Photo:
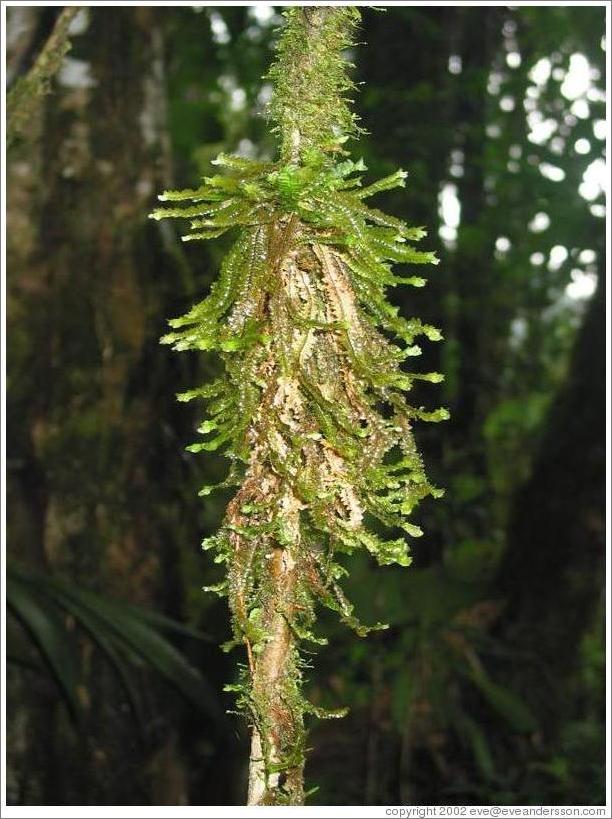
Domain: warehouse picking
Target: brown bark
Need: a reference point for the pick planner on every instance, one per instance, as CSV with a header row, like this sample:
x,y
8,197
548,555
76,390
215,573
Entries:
x,y
277,727
268,672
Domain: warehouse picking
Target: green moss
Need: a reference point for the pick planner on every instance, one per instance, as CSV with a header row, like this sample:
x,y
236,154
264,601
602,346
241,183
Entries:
x,y
311,408
311,82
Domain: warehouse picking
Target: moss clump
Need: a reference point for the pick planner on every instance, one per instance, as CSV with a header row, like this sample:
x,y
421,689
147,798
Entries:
x,y
311,409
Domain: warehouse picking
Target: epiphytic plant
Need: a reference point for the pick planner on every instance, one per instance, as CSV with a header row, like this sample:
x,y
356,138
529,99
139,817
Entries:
x,y
310,409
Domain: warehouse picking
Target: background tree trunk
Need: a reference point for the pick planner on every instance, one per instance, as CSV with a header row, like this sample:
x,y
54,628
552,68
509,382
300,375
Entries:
x,y
552,575
84,269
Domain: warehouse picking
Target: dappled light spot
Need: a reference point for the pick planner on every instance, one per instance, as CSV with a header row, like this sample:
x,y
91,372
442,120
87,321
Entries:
x,y
539,223
541,129
455,64
246,148
265,94
513,59
518,331
237,95
557,145
263,13
494,84
456,167
596,94
448,234
593,180
551,172
79,23
580,109
582,286
75,74
450,208
540,72
509,28
558,255
599,129
238,98
503,244
587,256
578,78
220,31
582,146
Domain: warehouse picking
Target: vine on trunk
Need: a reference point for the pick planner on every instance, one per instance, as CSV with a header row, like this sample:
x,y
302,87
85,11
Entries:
x,y
311,408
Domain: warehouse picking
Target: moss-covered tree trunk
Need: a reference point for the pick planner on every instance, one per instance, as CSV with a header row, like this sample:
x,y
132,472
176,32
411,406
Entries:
x,y
310,408
274,670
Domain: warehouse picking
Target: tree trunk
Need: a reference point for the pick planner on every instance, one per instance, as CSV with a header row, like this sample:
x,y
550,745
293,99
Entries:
x,y
275,670
84,264
552,575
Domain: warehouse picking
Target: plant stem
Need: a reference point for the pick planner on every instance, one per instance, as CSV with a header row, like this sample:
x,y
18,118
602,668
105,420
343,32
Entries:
x,y
277,715
279,734
282,726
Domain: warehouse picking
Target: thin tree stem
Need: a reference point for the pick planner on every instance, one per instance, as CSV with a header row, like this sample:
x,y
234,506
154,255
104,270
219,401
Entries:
x,y
271,670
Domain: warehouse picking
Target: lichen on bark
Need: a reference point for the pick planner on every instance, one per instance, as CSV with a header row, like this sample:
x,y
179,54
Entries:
x,y
311,408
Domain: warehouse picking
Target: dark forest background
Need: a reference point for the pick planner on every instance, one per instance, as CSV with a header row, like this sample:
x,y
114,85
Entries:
x,y
489,685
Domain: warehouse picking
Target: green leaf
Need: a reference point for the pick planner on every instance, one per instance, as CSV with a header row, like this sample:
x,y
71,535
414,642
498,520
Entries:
x,y
98,633
506,703
394,180
415,281
434,378
120,630
207,426
136,634
50,635
479,746
441,414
